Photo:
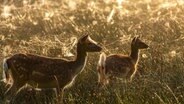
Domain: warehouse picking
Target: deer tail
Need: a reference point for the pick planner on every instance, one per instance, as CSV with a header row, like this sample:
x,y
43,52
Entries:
x,y
101,68
6,77
102,59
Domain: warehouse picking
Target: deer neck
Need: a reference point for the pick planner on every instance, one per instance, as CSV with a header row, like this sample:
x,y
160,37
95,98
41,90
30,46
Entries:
x,y
80,60
134,54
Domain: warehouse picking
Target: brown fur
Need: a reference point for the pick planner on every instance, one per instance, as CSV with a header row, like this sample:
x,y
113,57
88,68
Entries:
x,y
45,72
119,65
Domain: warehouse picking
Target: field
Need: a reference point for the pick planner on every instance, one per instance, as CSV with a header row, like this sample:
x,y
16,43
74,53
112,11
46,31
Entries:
x,y
50,28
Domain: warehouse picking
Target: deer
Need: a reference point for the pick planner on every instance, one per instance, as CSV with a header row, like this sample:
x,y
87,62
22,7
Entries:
x,y
119,65
45,72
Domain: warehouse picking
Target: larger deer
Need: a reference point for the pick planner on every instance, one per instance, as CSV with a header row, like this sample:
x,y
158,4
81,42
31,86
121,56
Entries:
x,y
45,72
119,65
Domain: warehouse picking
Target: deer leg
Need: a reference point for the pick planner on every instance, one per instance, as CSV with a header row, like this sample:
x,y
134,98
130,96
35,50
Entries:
x,y
10,90
11,93
102,78
14,90
130,75
60,93
128,78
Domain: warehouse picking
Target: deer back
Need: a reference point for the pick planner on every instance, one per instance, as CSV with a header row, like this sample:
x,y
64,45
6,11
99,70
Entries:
x,y
119,65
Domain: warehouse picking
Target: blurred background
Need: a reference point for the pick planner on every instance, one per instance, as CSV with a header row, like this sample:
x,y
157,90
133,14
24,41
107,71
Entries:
x,y
50,28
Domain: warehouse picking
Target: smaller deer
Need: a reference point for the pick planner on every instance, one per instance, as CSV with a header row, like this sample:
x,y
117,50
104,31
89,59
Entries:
x,y
45,72
119,65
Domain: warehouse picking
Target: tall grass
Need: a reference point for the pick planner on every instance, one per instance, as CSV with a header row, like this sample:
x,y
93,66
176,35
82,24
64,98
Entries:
x,y
50,27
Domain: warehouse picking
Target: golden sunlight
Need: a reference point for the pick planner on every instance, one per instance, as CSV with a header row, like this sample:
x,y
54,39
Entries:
x,y
173,53
48,15
110,15
43,2
167,5
119,3
72,4
6,12
135,53
180,2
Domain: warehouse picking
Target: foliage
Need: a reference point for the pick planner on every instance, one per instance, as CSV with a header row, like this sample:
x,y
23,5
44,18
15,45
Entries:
x,y
50,28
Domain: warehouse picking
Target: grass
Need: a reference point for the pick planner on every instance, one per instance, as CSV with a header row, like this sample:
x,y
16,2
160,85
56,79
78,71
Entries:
x,y
49,28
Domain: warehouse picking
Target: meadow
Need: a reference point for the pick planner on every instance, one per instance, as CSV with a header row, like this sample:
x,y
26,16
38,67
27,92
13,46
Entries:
x,y
50,28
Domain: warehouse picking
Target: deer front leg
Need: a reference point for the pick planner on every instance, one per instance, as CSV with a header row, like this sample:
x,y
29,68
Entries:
x,y
59,91
59,95
130,74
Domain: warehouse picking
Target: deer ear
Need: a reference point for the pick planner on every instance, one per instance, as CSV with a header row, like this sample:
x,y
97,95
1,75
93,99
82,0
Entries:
x,y
138,36
134,39
83,38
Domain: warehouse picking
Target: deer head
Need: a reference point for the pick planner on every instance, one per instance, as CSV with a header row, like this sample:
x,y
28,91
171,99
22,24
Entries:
x,y
88,45
138,44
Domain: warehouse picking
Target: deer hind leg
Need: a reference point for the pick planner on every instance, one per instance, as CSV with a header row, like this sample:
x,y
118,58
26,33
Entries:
x,y
14,89
11,93
102,78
